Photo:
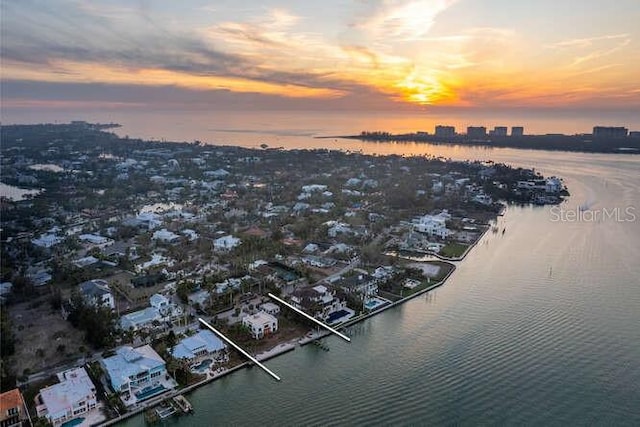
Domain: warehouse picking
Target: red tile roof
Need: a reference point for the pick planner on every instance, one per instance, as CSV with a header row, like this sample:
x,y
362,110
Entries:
x,y
10,399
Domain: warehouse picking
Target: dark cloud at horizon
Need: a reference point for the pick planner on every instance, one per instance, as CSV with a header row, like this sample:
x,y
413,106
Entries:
x,y
171,97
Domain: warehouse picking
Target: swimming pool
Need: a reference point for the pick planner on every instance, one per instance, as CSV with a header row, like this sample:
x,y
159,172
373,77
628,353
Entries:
x,y
72,423
374,303
340,316
203,366
149,391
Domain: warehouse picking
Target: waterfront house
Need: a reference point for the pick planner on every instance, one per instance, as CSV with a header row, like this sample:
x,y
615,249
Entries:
x,y
318,301
553,185
13,411
433,225
361,284
97,292
137,374
482,198
260,324
199,347
72,397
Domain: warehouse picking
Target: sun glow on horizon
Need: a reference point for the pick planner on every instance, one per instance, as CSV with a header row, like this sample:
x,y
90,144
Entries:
x,y
413,52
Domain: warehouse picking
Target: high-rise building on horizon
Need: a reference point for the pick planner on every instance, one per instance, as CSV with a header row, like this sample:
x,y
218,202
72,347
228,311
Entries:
x,y
476,131
498,131
517,131
445,131
609,132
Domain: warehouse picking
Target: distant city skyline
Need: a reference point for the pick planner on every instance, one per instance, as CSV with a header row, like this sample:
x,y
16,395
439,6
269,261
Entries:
x,y
434,55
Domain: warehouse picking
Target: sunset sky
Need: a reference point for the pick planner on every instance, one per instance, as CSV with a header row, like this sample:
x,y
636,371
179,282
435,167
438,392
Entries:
x,y
334,54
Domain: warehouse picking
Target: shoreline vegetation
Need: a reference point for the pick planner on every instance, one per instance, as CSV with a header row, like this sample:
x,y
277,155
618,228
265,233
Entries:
x,y
553,142
211,230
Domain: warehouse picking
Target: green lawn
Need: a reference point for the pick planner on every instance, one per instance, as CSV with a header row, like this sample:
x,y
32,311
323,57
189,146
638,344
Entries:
x,y
453,250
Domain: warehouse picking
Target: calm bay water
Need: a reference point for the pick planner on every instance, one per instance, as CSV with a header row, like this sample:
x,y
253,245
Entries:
x,y
538,326
292,129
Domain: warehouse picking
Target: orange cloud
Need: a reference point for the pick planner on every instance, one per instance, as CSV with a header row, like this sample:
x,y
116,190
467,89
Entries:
x,y
68,71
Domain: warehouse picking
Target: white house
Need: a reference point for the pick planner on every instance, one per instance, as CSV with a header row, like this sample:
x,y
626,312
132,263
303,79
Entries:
x,y
270,308
137,374
226,243
313,187
95,240
553,185
260,324
85,261
196,348
165,236
47,240
433,225
148,220
140,319
161,303
73,396
97,292
156,260
336,228
318,261
161,310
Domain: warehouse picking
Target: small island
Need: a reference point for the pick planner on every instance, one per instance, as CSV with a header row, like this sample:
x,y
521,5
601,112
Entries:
x,y
126,243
